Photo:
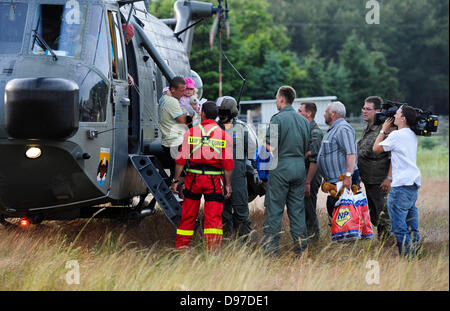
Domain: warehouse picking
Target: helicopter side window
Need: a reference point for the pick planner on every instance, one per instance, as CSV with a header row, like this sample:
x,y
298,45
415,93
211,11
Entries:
x,y
12,24
60,29
93,95
118,62
94,91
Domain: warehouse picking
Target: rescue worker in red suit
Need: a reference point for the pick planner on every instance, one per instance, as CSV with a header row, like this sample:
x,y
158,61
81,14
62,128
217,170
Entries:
x,y
208,150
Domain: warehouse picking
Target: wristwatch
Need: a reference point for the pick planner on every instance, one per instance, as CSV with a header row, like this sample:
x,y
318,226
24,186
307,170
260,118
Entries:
x,y
175,181
348,174
383,132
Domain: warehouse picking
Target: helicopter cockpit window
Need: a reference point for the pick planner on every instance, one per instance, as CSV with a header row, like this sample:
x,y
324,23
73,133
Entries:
x,y
12,24
61,27
101,59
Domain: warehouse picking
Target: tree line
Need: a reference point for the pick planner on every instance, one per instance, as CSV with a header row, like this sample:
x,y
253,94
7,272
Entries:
x,y
326,47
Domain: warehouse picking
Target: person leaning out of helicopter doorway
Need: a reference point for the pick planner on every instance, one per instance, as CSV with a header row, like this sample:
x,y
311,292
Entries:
x,y
207,150
128,36
172,122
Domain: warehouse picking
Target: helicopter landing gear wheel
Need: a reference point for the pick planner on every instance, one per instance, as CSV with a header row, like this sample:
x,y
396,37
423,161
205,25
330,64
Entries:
x,y
145,207
149,209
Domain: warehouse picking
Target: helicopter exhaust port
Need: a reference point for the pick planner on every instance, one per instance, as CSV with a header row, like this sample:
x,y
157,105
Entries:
x,y
47,106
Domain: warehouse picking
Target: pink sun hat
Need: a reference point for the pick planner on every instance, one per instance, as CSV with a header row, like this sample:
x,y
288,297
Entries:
x,y
190,84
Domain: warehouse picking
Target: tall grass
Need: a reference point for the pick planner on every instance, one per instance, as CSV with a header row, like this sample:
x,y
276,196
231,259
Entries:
x,y
113,257
39,264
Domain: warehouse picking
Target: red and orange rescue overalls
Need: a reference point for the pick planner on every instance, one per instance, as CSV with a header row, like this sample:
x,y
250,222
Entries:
x,y
209,150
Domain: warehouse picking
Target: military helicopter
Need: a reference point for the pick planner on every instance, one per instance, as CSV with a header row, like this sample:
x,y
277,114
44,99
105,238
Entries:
x,y
73,134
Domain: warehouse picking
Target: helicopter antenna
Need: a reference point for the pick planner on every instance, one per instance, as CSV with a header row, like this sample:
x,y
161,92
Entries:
x,y
241,91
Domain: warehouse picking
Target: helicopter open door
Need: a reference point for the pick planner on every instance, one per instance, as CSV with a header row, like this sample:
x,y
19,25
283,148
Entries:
x,y
134,126
125,97
119,70
126,181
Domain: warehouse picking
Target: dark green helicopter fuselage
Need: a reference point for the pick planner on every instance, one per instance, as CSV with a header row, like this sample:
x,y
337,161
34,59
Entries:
x,y
72,101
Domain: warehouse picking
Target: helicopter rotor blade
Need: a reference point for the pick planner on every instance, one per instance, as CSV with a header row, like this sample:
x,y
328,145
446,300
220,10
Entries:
x,y
213,32
227,28
227,23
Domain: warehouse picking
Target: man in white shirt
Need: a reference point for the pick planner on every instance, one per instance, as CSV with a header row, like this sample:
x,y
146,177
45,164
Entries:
x,y
402,144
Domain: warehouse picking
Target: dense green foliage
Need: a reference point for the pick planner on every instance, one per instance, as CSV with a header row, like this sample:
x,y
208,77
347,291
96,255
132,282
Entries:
x,y
327,48
404,57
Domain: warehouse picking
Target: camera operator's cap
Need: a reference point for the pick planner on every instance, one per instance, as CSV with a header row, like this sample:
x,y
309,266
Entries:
x,y
190,84
227,103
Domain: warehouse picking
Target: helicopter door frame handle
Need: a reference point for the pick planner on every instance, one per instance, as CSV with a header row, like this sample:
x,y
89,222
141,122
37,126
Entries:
x,y
92,134
125,102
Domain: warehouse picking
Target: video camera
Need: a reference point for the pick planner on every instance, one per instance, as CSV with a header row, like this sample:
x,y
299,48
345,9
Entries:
x,y
426,123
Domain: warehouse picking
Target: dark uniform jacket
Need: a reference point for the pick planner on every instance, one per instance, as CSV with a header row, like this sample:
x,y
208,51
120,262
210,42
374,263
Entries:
x,y
373,168
315,142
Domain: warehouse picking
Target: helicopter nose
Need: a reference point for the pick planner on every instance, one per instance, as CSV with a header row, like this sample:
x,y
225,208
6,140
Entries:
x,y
41,108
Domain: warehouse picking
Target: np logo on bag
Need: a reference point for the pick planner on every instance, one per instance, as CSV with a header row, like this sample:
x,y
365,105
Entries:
x,y
346,223
343,216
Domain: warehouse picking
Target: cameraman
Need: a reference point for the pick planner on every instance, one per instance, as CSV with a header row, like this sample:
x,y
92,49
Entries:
x,y
402,144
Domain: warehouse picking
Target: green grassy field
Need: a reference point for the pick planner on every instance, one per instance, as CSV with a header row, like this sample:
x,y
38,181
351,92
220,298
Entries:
x,y
111,256
432,156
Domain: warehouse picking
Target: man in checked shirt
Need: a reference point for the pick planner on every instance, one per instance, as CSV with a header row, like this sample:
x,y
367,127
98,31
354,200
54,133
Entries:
x,y
338,151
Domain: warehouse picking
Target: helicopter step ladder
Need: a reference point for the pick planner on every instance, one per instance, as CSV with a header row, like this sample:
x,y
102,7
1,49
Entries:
x,y
154,176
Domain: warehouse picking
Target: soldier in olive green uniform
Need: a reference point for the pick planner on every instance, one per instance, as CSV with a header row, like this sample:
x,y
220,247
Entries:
x,y
235,213
288,139
313,178
374,168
